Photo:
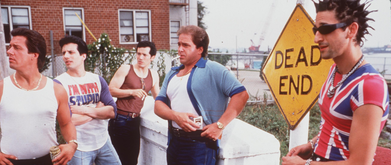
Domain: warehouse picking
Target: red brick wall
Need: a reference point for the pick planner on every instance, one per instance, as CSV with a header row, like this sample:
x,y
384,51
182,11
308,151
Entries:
x,y
100,16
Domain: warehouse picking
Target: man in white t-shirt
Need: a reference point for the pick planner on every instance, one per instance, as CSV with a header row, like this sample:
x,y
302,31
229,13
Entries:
x,y
91,104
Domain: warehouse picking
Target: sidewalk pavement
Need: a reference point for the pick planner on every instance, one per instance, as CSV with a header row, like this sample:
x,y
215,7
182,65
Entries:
x,y
255,86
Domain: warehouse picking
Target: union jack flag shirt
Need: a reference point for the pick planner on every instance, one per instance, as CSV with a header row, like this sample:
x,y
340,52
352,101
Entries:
x,y
364,86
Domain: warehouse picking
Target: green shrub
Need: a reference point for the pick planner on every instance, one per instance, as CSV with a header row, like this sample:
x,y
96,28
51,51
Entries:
x,y
270,119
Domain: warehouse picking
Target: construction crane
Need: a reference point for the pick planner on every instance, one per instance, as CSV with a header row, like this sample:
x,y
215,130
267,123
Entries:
x,y
253,47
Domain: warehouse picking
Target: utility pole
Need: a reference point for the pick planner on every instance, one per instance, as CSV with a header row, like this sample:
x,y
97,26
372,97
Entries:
x,y
299,135
3,54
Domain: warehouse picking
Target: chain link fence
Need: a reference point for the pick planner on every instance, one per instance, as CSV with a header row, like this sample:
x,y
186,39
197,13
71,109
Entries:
x,y
163,61
236,62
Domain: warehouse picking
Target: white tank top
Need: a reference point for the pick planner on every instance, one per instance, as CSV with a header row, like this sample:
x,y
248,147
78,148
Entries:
x,y
28,120
179,97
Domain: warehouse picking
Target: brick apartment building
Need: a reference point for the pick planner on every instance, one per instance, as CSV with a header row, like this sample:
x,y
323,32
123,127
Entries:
x,y
125,21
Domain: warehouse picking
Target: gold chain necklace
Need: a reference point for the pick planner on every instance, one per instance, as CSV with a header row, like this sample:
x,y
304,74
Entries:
x,y
17,84
185,74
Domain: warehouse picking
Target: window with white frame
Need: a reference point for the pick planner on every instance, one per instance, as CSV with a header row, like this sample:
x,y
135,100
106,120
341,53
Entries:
x,y
72,23
15,17
134,26
174,27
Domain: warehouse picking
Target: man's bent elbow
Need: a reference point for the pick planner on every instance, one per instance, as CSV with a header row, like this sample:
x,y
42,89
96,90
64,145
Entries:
x,y
156,108
112,91
246,96
111,114
243,96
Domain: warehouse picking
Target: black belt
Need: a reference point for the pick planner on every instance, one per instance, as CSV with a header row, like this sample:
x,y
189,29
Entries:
x,y
181,133
44,160
127,114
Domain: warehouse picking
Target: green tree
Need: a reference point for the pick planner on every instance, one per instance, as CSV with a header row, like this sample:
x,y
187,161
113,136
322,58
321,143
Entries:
x,y
201,11
105,58
222,59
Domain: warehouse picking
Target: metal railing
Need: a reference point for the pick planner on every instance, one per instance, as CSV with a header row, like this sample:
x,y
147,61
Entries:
x,y
236,61
246,61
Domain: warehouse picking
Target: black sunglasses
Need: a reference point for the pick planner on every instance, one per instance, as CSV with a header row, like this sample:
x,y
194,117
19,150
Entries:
x,y
328,28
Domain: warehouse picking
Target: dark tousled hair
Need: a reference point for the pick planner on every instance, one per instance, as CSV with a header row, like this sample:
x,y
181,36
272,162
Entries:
x,y
349,11
35,44
143,44
81,45
199,36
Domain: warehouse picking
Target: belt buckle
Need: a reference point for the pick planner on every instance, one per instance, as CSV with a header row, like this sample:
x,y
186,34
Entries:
x,y
176,132
134,115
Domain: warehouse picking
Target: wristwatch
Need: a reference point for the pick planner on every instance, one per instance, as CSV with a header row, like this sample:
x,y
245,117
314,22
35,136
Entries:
x,y
74,141
220,125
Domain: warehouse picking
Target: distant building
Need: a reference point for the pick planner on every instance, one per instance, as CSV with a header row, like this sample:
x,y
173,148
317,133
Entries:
x,y
125,21
182,12
374,50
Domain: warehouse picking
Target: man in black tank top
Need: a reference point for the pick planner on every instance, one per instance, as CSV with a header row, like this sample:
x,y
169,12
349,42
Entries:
x,y
131,84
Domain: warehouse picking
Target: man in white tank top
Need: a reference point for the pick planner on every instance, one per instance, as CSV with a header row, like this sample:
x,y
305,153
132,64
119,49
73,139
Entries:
x,y
30,104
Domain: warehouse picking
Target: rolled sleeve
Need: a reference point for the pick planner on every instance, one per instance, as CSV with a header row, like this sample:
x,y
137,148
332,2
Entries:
x,y
237,90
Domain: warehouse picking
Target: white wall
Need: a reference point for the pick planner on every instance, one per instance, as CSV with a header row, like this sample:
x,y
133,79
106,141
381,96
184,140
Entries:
x,y
241,144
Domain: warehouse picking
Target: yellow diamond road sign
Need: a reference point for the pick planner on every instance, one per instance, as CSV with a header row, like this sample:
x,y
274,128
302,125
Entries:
x,y
294,70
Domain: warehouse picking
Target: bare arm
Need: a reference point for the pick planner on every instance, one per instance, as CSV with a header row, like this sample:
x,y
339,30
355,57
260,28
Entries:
x,y
304,151
68,130
235,106
155,87
78,119
364,134
99,112
117,81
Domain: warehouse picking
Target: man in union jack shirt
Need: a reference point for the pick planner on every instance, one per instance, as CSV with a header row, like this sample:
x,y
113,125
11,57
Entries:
x,y
354,99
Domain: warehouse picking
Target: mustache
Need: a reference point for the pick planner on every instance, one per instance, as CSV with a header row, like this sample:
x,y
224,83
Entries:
x,y
323,44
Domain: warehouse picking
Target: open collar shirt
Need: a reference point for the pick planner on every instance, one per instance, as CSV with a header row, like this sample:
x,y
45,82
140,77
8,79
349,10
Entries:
x,y
209,87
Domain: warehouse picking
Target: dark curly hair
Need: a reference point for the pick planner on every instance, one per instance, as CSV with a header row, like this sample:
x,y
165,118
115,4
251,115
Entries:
x,y
349,11
144,44
35,44
81,45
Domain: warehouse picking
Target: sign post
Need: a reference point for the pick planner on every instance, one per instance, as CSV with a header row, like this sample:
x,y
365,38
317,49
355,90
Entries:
x,y
295,72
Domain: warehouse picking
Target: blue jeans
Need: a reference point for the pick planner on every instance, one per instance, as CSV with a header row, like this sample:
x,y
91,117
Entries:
x,y
194,151
103,156
125,136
